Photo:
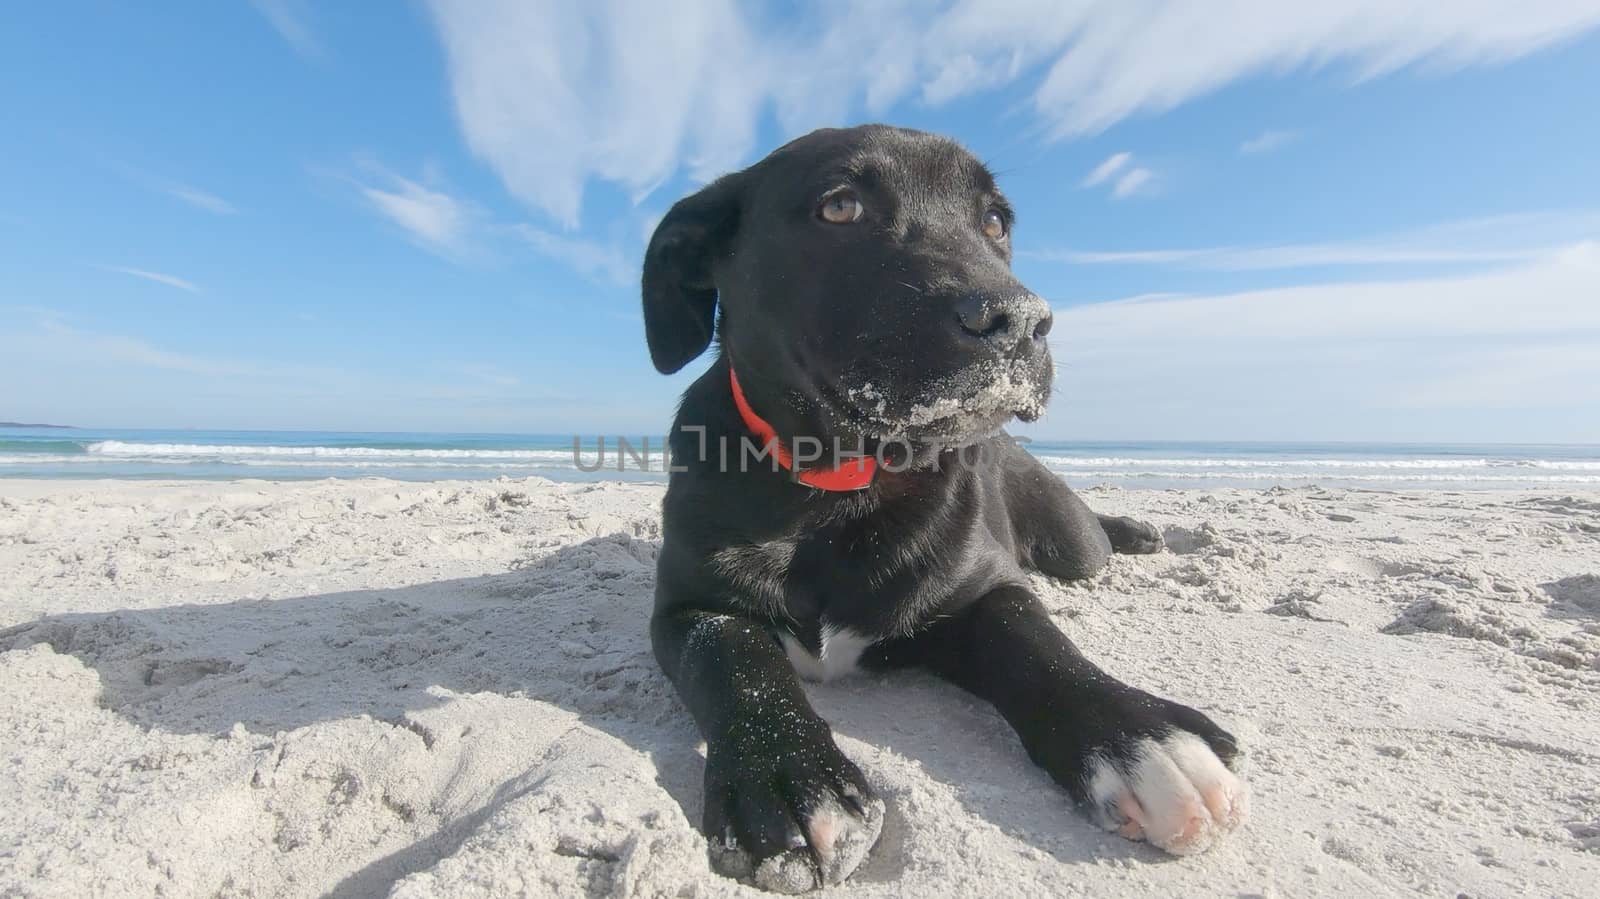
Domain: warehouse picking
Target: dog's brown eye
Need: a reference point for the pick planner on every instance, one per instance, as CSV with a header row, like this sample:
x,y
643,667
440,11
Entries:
x,y
842,209
994,225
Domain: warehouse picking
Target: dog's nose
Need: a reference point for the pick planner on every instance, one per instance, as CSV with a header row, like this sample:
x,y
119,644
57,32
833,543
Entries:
x,y
1005,322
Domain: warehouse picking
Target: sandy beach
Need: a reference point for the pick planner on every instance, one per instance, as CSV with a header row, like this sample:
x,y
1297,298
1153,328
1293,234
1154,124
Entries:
x,y
362,688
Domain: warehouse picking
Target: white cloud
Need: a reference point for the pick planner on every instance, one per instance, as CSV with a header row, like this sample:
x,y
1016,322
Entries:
x,y
1115,257
1500,239
433,218
553,94
1287,256
67,345
1108,60
188,193
459,230
1267,141
1396,360
288,18
1112,164
157,277
491,375
86,376
1548,300
201,200
1132,182
606,262
1125,181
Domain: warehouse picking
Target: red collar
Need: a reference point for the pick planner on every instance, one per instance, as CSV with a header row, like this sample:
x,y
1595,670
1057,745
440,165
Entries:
x,y
850,476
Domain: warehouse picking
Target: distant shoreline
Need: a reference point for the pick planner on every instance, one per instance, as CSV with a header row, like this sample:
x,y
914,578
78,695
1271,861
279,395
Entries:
x,y
19,424
317,455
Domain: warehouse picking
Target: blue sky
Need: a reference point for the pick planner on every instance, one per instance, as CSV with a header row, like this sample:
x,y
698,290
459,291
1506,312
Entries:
x,y
1372,221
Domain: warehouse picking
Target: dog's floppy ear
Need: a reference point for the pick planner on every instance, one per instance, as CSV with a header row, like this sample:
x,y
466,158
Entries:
x,y
680,293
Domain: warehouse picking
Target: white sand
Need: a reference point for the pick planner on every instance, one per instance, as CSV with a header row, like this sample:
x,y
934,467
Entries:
x,y
445,690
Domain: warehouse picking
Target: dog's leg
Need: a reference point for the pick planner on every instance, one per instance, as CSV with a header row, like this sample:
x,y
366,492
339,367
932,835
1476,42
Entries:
x,y
1144,767
784,808
1130,535
1056,532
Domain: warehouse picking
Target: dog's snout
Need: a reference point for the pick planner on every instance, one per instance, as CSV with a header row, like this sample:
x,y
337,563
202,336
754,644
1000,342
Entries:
x,y
1007,322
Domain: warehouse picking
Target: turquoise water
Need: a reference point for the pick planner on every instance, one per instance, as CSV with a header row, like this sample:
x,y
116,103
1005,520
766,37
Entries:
x,y
304,455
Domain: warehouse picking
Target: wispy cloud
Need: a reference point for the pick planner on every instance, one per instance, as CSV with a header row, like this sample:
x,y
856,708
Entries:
x,y
1554,301
1289,256
628,92
1112,164
288,18
1337,361
188,193
201,199
457,229
72,344
1132,182
488,374
87,375
157,277
1267,141
1501,239
1116,257
607,262
434,219
1125,181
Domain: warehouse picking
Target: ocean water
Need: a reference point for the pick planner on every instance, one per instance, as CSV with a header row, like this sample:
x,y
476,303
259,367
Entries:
x,y
305,455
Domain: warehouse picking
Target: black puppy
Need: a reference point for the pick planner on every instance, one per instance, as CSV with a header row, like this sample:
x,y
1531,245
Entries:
x,y
842,495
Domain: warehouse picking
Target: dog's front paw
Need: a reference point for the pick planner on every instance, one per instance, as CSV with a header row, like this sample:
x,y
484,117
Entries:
x,y
1130,536
1164,776
788,819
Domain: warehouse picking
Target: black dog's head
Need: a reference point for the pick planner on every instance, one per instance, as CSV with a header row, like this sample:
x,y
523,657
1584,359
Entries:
x,y
866,290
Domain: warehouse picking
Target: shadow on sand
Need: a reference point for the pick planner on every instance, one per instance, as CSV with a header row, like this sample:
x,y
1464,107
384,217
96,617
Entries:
x,y
567,629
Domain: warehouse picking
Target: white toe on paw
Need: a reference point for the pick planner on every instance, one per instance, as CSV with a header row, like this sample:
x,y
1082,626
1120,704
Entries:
x,y
841,840
1174,792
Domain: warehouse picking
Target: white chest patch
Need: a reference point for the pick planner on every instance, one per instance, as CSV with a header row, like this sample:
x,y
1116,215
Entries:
x,y
841,650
